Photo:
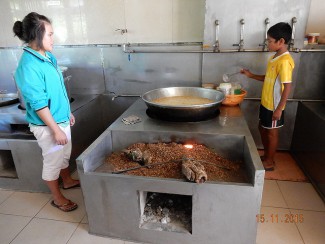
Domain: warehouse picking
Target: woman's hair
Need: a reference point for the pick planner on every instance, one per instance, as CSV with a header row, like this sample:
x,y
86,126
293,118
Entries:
x,y
31,28
280,30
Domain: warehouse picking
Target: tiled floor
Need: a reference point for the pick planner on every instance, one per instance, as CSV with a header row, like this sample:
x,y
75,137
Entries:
x,y
293,213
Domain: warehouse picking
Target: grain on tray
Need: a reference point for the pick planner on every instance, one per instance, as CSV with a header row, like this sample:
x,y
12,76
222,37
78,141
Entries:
x,y
216,167
182,100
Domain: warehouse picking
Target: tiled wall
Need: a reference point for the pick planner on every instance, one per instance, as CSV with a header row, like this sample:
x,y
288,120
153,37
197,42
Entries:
x,y
254,12
95,22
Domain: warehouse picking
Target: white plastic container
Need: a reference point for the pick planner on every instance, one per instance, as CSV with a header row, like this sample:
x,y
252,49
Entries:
x,y
225,88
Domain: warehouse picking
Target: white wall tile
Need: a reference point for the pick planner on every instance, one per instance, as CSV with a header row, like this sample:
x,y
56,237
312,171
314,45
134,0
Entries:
x,y
100,19
88,22
149,21
65,19
8,17
188,20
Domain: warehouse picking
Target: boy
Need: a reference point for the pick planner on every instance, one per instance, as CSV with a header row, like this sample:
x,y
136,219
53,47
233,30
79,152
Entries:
x,y
276,89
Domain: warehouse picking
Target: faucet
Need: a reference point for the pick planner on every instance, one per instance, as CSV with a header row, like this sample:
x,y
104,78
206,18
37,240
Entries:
x,y
264,45
125,47
241,42
292,41
216,47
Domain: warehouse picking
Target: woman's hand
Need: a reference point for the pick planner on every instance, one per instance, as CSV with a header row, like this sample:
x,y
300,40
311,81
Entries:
x,y
72,120
60,137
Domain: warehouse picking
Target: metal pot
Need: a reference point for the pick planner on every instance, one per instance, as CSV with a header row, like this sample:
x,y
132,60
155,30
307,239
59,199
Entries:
x,y
184,113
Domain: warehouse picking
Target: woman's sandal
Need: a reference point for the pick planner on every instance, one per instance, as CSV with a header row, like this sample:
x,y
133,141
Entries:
x,y
66,207
70,187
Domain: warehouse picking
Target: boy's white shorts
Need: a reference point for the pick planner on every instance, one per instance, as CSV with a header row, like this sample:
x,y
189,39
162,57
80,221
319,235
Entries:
x,y
55,157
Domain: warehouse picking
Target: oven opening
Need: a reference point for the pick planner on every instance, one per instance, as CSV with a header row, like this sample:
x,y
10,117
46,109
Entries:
x,y
165,212
20,129
7,165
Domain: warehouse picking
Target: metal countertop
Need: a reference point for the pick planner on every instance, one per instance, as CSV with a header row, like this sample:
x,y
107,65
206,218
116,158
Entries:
x,y
13,115
229,121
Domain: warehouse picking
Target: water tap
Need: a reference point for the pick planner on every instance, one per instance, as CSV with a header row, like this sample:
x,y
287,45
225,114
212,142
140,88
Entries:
x,y
241,42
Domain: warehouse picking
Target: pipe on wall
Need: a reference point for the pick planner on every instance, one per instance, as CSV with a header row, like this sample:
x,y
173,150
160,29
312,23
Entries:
x,y
126,49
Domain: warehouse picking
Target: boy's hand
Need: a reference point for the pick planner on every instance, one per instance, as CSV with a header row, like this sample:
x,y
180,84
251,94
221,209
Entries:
x,y
277,114
252,76
247,73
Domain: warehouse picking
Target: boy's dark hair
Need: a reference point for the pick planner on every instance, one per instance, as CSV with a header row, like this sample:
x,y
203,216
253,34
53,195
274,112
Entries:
x,y
31,28
280,30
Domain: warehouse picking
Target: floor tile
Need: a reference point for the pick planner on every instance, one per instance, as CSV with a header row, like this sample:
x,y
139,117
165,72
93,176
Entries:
x,y
24,203
41,231
10,226
50,212
311,226
275,230
75,175
81,235
4,194
286,168
299,195
272,196
84,219
130,242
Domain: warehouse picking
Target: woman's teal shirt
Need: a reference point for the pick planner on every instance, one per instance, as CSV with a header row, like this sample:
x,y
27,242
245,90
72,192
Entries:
x,y
41,84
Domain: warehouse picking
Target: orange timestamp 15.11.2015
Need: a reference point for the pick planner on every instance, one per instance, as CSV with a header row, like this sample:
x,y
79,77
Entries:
x,y
279,218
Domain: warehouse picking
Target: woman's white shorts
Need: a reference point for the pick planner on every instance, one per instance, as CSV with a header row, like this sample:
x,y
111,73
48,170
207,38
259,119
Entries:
x,y
55,157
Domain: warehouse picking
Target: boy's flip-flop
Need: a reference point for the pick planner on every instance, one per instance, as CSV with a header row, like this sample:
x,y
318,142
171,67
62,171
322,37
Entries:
x,y
70,187
67,207
268,166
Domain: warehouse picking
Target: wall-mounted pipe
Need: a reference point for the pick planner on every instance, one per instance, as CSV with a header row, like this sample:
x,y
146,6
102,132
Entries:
x,y
126,49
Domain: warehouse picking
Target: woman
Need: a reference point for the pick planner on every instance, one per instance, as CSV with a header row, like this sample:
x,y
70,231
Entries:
x,y
40,81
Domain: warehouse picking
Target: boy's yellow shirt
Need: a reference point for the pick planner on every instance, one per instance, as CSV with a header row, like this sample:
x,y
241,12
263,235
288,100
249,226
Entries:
x,y
279,71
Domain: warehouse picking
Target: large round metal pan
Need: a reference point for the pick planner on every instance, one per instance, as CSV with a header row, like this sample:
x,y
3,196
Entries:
x,y
187,112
